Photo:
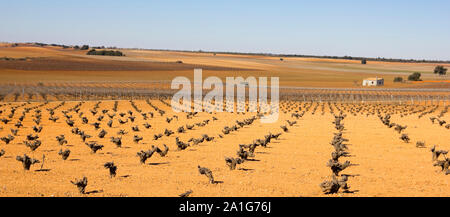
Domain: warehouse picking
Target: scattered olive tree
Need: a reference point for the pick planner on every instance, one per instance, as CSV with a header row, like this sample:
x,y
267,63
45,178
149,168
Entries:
x,y
441,70
398,79
84,47
414,76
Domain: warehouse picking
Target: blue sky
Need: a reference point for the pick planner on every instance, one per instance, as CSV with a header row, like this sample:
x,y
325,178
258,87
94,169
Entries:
x,y
397,29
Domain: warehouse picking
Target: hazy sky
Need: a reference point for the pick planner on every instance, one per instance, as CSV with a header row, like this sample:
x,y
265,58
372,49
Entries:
x,y
398,29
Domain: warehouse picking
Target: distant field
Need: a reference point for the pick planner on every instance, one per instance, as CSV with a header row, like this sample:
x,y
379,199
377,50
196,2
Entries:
x,y
58,64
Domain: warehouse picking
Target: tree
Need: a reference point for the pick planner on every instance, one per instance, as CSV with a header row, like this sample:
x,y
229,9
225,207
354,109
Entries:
x,y
363,61
398,79
441,70
414,76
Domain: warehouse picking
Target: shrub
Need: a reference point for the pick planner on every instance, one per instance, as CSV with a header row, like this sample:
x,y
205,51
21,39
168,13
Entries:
x,y
84,47
414,76
398,79
441,70
363,61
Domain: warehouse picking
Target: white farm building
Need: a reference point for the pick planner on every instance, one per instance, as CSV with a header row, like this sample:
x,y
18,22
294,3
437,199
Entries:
x,y
373,81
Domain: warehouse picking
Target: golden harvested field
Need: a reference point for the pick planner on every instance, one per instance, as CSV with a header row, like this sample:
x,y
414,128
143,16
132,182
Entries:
x,y
51,64
293,164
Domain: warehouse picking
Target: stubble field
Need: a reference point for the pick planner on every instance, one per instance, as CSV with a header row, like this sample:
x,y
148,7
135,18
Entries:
x,y
55,64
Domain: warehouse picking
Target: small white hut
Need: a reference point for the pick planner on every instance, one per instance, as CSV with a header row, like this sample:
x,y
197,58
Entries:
x,y
373,81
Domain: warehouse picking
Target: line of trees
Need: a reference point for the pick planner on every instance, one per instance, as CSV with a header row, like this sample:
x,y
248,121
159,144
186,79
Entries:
x,y
11,58
105,52
76,47
383,59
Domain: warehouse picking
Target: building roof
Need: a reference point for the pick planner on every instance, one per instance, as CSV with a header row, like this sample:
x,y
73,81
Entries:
x,y
373,79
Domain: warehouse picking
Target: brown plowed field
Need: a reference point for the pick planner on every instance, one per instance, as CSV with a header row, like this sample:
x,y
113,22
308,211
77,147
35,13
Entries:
x,y
292,165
